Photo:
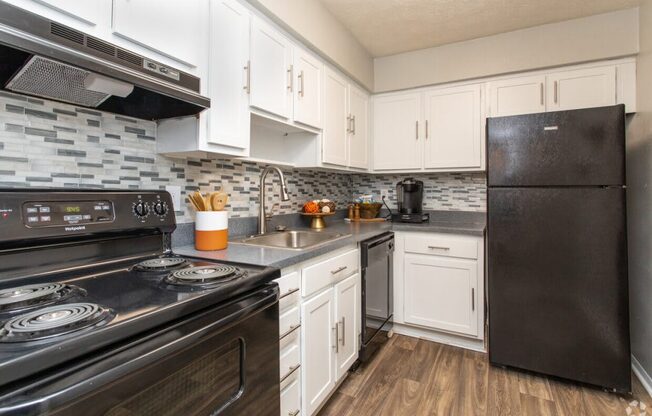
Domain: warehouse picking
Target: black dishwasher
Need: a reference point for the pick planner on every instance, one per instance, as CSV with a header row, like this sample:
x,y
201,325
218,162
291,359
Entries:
x,y
377,292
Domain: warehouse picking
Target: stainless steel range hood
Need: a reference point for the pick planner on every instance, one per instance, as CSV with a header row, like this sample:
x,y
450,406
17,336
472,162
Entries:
x,y
43,58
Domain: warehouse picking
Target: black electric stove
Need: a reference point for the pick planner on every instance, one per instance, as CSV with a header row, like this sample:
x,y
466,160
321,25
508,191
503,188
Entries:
x,y
90,292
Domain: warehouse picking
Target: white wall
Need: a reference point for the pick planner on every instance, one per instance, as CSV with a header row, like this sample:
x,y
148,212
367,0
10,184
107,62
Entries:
x,y
311,22
596,37
639,199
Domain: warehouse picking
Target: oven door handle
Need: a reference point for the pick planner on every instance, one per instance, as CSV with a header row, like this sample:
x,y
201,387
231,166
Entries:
x,y
140,354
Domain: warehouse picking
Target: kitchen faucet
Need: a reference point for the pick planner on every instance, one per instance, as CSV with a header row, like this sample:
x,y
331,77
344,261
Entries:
x,y
262,218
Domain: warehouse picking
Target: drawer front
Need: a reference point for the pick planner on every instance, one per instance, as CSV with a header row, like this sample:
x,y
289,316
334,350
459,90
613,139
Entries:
x,y
290,359
289,320
288,301
329,271
288,284
291,395
447,246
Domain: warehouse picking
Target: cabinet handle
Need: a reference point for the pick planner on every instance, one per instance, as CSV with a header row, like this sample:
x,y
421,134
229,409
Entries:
x,y
295,413
337,337
555,92
301,83
426,129
473,299
290,77
343,331
339,269
289,292
417,129
348,124
439,248
353,128
289,331
247,86
292,370
541,93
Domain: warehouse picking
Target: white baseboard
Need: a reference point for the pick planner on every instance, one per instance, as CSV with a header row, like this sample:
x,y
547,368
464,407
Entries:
x,y
440,337
642,375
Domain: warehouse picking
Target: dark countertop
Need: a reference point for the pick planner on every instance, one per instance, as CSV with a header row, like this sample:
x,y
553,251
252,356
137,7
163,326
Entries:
x,y
452,222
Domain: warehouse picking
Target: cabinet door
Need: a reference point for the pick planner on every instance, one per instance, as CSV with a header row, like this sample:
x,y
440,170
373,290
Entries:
x,y
440,293
271,70
397,131
453,134
358,128
229,121
334,140
347,317
522,95
582,88
318,354
89,12
307,91
163,26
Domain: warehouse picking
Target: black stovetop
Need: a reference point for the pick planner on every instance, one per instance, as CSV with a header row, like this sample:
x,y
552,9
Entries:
x,y
138,302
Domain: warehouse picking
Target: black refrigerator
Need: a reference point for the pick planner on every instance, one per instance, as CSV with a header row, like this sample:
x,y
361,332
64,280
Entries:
x,y
556,245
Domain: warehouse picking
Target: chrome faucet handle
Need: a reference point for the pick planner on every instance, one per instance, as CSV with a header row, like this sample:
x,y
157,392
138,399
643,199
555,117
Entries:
x,y
280,228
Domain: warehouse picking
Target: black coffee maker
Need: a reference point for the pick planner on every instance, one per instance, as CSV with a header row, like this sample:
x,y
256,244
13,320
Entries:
x,y
409,194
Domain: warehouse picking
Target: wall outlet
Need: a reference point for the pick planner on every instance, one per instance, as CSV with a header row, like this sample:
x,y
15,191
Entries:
x,y
175,192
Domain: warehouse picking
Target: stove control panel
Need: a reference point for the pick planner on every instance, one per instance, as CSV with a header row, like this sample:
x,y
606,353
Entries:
x,y
36,213
58,213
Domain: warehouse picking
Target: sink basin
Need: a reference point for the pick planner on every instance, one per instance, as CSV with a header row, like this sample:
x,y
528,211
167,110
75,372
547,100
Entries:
x,y
293,240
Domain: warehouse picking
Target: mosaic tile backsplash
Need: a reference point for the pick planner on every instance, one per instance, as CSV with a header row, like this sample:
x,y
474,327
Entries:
x,y
49,144
441,191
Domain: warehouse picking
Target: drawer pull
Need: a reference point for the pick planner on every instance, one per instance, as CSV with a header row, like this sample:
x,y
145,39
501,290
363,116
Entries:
x,y
339,269
289,331
295,413
292,370
289,292
439,248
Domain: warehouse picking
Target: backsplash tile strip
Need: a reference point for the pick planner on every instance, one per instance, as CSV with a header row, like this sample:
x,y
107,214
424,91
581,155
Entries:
x,y
50,144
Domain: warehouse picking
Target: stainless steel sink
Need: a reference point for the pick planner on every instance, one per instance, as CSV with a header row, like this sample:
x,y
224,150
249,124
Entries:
x,y
293,240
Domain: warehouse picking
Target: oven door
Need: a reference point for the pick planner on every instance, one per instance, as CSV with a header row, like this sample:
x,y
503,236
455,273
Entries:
x,y
222,361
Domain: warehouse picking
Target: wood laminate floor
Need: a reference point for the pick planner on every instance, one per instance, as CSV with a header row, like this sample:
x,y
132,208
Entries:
x,y
412,376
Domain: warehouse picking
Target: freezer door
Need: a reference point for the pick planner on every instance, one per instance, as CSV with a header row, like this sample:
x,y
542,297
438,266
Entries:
x,y
557,283
577,147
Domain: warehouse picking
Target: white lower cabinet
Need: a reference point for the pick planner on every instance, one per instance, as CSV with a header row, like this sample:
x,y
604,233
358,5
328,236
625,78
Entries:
x,y
347,314
319,327
319,346
441,293
439,287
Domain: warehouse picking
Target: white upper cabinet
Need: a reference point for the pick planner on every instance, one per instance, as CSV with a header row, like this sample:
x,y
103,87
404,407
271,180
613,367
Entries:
x,y
91,12
522,95
358,128
166,27
271,70
229,118
441,293
334,134
582,88
307,88
397,131
452,127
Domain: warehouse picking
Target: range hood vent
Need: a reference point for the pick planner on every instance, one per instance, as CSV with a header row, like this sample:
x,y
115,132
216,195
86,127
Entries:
x,y
50,79
50,60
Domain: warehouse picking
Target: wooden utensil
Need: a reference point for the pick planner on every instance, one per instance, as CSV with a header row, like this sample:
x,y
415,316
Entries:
x,y
218,200
193,203
207,203
200,200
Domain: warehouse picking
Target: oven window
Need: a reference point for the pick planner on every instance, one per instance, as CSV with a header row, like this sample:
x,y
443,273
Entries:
x,y
205,386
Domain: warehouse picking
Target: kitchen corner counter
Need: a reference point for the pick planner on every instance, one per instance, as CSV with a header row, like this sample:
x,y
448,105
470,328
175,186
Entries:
x,y
453,222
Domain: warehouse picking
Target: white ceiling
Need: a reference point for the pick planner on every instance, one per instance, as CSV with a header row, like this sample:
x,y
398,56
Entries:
x,y
386,27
